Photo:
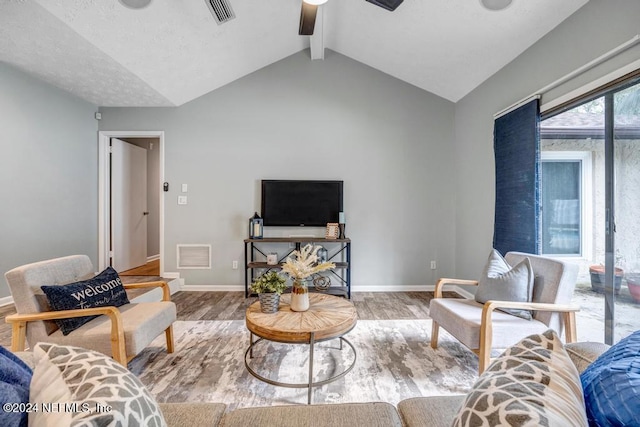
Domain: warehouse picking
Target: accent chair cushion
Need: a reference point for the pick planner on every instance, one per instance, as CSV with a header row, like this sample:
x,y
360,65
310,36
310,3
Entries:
x,y
105,289
90,388
15,377
612,385
499,281
533,383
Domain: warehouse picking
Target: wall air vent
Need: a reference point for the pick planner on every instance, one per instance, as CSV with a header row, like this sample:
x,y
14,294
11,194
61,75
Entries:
x,y
194,256
221,10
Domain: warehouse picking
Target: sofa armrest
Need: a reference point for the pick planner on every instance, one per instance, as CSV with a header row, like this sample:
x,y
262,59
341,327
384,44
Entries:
x,y
582,354
192,414
429,411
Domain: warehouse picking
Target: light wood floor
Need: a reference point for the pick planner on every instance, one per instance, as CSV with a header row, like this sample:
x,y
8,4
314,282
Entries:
x,y
152,268
232,306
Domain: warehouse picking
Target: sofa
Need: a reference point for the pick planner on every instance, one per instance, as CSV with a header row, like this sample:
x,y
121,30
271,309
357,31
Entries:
x,y
535,352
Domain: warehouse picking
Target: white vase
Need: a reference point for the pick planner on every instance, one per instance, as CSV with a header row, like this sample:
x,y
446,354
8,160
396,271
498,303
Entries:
x,y
299,296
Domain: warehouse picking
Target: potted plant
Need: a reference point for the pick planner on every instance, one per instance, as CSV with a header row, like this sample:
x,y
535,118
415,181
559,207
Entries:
x,y
633,283
269,287
598,280
299,266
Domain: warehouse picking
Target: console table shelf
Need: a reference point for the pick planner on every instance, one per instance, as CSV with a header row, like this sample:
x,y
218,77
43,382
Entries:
x,y
341,254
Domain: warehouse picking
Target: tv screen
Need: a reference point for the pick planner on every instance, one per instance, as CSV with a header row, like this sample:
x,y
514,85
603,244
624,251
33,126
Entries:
x,y
301,203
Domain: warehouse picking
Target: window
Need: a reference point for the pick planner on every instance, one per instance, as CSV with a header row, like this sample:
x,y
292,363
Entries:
x,y
566,203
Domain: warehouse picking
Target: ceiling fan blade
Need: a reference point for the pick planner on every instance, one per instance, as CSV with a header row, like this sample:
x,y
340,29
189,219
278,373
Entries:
x,y
307,19
390,5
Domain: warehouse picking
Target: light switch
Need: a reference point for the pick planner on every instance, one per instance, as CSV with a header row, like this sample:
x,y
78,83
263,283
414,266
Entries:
x,y
182,200
184,188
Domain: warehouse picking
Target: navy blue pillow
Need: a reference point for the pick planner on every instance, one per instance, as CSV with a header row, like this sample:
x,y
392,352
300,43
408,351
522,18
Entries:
x,y
612,385
105,289
15,378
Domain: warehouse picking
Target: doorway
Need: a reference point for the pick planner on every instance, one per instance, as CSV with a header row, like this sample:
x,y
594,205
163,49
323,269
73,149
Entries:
x,y
147,217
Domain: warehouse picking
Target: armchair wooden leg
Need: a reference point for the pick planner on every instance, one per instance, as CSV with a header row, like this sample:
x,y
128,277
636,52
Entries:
x,y
435,328
570,327
118,350
484,359
169,334
18,336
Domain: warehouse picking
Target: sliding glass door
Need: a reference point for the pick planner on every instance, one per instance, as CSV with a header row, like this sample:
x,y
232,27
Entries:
x,y
590,196
625,109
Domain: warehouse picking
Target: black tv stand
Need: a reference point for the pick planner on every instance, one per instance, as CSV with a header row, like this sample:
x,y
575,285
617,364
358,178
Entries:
x,y
339,253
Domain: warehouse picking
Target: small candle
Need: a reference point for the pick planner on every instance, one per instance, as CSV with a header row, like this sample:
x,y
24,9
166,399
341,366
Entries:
x,y
341,218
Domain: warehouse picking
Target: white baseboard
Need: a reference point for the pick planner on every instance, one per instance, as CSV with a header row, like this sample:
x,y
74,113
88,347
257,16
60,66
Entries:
x,y
6,301
170,275
408,288
212,288
153,258
463,292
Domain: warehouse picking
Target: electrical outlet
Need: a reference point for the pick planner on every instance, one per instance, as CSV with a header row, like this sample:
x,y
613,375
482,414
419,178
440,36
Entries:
x,y
433,265
234,265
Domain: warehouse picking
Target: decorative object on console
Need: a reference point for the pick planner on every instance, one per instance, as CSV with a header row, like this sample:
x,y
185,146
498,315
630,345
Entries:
x,y
272,258
342,222
255,227
323,255
322,283
333,230
299,266
269,287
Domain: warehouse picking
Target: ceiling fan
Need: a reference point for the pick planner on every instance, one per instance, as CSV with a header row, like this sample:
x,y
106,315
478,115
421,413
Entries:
x,y
310,9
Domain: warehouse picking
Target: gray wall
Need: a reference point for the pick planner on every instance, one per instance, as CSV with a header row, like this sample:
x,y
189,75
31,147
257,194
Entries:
x,y
48,170
596,28
390,142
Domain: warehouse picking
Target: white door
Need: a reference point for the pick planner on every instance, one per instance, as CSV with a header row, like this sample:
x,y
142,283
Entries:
x,y
128,205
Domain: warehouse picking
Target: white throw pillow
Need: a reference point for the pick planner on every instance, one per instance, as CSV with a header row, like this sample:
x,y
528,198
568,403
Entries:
x,y
87,388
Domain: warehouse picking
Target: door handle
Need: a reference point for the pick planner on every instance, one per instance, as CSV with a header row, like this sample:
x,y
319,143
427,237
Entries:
x,y
145,213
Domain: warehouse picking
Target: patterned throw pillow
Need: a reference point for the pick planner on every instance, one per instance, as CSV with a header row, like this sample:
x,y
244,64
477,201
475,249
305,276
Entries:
x,y
612,385
86,388
533,383
499,281
105,289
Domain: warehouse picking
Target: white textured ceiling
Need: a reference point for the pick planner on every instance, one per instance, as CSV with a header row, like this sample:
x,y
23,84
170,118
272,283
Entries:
x,y
173,51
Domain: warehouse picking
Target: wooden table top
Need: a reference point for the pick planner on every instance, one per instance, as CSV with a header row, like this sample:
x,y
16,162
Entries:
x,y
328,317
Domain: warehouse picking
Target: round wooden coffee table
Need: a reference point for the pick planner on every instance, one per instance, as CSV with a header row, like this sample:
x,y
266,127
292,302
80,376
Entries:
x,y
328,318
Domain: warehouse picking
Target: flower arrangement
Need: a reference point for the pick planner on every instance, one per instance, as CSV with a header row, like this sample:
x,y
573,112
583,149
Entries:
x,y
269,283
304,263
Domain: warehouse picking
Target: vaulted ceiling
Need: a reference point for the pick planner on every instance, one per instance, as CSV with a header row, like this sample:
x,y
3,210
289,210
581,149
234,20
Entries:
x,y
173,51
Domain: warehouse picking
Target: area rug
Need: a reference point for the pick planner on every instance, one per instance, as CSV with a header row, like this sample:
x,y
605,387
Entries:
x,y
394,362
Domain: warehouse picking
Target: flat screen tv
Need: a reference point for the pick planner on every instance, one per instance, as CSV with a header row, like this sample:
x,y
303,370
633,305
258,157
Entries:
x,y
300,203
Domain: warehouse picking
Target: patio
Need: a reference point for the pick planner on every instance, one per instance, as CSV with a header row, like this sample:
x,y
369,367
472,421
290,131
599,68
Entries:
x,y
590,318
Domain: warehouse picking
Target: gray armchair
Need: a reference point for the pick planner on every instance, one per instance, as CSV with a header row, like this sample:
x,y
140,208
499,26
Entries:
x,y
121,332
480,327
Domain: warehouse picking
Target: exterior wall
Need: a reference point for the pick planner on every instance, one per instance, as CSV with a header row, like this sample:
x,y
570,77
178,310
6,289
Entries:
x,y
627,203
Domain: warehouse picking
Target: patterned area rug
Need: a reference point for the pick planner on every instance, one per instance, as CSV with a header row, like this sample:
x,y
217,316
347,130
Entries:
x,y
394,362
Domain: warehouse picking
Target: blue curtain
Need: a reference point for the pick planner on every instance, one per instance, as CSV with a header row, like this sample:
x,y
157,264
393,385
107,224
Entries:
x,y
517,155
